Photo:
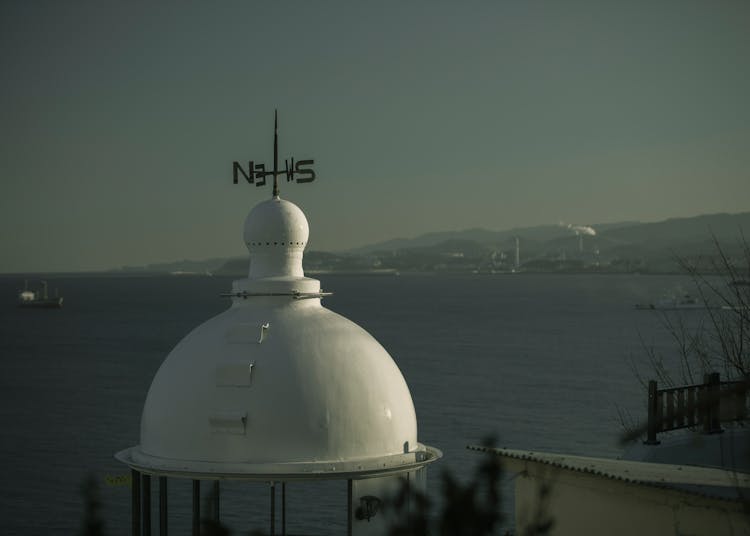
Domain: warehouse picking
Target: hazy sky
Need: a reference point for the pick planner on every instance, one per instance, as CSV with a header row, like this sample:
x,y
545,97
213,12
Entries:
x,y
120,121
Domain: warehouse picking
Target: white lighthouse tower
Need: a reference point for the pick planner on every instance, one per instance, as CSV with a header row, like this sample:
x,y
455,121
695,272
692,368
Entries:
x,y
278,389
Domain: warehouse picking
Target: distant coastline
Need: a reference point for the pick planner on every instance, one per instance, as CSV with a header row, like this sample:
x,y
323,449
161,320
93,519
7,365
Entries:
x,y
626,247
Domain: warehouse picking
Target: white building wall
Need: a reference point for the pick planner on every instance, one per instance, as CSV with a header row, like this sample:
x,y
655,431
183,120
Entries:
x,y
580,503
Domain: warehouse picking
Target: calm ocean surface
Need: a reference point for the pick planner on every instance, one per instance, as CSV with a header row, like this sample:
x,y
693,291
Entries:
x,y
542,362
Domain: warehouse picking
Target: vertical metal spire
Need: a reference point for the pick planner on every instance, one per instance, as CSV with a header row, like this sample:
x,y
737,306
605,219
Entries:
x,y
275,153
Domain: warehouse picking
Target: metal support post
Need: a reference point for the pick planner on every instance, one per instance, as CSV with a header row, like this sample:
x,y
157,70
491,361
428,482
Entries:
x,y
273,509
196,507
283,509
162,506
216,500
349,490
146,505
135,507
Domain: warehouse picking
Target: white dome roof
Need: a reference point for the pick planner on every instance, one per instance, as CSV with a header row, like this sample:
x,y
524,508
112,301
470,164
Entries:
x,y
321,389
277,384
276,233
275,222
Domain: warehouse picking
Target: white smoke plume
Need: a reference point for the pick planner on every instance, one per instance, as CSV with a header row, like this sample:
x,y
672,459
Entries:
x,y
579,229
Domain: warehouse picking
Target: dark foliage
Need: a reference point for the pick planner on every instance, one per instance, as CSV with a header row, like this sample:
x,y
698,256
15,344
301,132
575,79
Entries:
x,y
470,509
92,524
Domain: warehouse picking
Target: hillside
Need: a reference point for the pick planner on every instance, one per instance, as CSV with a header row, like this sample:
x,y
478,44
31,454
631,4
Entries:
x,y
618,247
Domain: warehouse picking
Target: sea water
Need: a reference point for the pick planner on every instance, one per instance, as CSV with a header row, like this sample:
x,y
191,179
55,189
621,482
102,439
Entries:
x,y
539,362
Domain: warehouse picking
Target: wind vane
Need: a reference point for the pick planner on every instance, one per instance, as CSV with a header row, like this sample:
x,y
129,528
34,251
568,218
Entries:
x,y
256,173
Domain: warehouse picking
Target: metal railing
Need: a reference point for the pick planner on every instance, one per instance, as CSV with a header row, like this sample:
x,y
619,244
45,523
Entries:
x,y
705,405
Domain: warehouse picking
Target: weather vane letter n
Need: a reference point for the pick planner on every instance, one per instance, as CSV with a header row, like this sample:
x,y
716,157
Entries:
x,y
256,174
236,166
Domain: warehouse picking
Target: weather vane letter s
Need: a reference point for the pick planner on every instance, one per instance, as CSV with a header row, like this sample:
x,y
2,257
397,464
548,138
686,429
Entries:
x,y
256,173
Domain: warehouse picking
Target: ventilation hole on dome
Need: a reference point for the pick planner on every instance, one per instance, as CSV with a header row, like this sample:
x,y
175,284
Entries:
x,y
275,243
268,243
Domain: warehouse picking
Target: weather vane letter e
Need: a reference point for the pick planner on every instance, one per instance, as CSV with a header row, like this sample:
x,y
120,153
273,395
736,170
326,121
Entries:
x,y
256,173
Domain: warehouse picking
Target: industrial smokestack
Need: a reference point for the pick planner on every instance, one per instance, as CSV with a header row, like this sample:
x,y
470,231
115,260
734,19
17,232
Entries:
x,y
518,252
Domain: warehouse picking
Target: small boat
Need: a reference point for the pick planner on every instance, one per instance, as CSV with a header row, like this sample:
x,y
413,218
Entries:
x,y
685,301
38,298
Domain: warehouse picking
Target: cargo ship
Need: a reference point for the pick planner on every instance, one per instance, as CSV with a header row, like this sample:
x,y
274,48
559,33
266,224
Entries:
x,y
39,298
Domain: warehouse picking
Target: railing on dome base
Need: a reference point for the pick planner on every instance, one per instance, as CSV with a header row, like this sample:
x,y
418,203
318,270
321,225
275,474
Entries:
x,y
705,405
351,471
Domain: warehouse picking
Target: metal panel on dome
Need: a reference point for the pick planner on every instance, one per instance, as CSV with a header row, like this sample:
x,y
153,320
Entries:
x,y
247,333
234,374
228,422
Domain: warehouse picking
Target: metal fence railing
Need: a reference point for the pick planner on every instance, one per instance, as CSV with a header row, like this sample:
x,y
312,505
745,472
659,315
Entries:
x,y
705,405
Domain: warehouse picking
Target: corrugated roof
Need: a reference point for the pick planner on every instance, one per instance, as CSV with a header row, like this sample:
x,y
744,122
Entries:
x,y
704,481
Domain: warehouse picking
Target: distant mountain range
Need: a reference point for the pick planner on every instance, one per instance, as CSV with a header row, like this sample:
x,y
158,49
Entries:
x,y
616,247
539,233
